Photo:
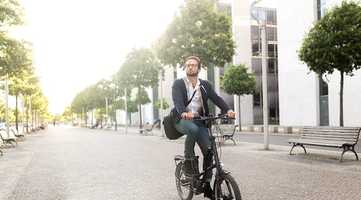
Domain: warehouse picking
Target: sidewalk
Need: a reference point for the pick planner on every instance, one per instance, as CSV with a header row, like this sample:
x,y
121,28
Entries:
x,y
261,175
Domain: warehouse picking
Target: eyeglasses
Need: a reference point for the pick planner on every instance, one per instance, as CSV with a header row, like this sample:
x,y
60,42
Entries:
x,y
191,65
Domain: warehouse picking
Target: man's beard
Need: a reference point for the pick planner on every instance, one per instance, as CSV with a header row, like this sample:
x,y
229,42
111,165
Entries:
x,y
195,74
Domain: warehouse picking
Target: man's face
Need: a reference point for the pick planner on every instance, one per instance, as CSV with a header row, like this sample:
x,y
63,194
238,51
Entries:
x,y
192,67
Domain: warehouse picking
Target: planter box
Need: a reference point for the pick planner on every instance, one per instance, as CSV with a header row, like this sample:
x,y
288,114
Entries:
x,y
273,129
284,129
247,128
258,128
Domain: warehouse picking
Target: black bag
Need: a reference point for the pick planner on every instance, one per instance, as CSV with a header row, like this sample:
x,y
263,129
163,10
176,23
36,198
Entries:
x,y
169,124
169,127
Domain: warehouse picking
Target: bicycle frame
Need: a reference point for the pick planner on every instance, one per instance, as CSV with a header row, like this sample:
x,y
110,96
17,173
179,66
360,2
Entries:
x,y
217,163
229,190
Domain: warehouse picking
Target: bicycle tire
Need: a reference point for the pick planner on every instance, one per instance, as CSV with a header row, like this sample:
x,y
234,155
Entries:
x,y
181,183
226,181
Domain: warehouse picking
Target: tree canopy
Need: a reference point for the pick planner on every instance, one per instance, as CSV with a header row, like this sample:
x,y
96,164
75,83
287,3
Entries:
x,y
200,30
238,81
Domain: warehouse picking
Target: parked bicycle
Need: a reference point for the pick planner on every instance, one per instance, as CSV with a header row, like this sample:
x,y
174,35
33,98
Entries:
x,y
224,185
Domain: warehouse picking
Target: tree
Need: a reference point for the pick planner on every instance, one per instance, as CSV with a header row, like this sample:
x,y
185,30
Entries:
x,y
67,115
14,56
10,13
19,83
158,106
199,30
139,71
238,81
334,43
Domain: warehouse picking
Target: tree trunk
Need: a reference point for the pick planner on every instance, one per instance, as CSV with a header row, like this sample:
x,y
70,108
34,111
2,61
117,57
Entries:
x,y
16,114
116,123
27,119
140,111
341,99
239,113
140,117
175,72
130,118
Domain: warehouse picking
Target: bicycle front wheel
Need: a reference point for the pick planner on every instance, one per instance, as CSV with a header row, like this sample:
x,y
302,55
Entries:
x,y
184,186
226,188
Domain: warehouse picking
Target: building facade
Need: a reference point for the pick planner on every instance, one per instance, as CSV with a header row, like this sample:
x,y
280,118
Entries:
x,y
304,98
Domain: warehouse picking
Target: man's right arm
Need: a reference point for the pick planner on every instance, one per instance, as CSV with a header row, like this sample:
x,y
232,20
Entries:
x,y
178,97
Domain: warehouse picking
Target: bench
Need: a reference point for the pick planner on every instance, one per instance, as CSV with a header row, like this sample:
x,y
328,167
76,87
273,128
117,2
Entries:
x,y
17,134
226,132
337,137
8,140
148,127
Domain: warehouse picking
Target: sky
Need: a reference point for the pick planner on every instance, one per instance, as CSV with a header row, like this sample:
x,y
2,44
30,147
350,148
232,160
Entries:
x,y
79,42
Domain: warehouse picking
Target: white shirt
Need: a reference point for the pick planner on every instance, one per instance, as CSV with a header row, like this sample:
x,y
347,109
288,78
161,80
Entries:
x,y
195,106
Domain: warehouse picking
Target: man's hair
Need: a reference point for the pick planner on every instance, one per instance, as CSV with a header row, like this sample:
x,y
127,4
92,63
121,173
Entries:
x,y
194,58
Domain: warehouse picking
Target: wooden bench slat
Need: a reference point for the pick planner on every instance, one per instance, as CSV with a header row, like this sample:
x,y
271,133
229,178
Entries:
x,y
321,142
331,136
330,132
331,128
327,140
331,140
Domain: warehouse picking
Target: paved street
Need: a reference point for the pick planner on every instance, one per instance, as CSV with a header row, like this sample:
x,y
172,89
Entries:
x,y
83,164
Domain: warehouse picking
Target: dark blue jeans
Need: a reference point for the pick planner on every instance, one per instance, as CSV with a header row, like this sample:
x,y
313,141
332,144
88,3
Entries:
x,y
196,132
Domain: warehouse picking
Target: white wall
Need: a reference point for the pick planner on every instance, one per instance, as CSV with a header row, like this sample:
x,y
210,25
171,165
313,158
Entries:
x,y
241,27
351,99
298,87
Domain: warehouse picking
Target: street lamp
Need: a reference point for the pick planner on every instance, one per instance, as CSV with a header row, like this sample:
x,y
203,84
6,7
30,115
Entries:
x,y
261,21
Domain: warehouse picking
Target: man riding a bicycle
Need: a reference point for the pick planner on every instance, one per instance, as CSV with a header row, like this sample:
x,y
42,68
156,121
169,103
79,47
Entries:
x,y
190,95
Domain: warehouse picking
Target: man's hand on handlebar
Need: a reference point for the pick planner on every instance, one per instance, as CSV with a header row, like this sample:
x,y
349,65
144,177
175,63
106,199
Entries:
x,y
231,114
189,115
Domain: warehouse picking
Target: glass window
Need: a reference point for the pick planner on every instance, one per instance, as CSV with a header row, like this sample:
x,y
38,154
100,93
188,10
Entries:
x,y
256,48
255,32
272,50
272,65
271,17
271,33
257,98
257,65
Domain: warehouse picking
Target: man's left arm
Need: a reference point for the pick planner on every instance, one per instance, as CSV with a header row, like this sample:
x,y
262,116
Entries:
x,y
216,99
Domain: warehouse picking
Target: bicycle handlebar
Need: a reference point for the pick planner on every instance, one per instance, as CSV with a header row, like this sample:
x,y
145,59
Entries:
x,y
210,118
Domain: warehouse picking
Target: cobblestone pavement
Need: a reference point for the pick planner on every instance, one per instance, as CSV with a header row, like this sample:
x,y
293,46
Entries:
x,y
84,164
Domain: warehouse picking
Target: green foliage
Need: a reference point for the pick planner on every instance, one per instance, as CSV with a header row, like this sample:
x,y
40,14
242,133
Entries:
x,y
139,70
158,106
238,81
10,13
132,106
334,42
67,115
2,110
14,56
199,30
142,97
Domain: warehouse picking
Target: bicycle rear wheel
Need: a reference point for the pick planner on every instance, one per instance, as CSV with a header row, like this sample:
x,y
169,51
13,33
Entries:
x,y
226,188
183,184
